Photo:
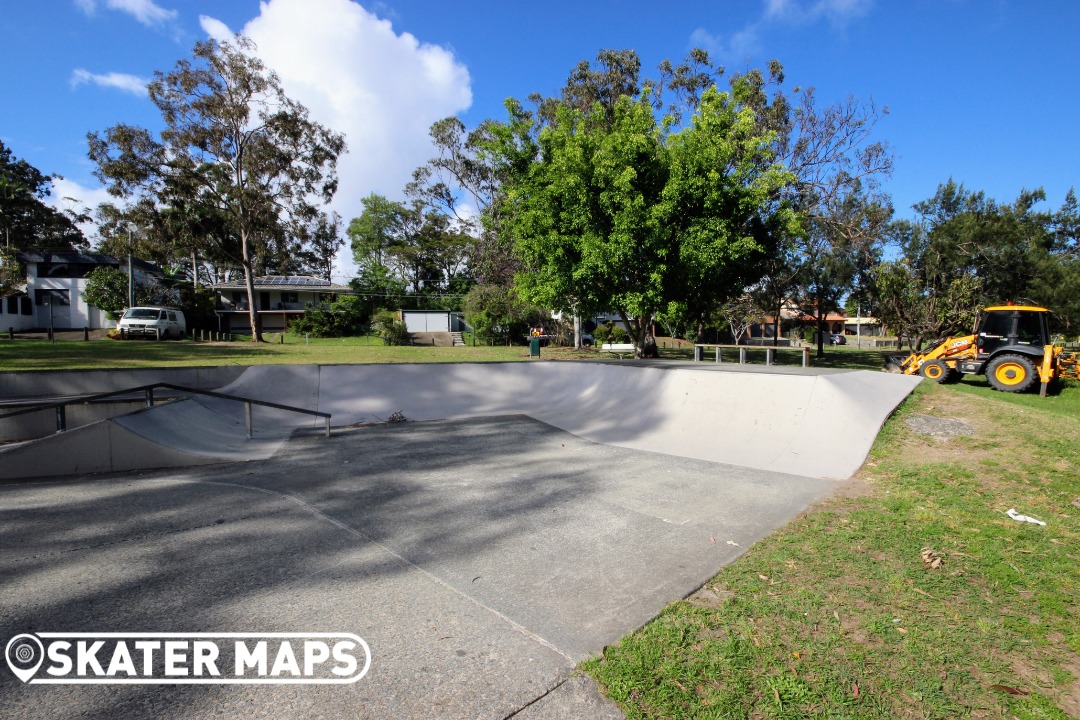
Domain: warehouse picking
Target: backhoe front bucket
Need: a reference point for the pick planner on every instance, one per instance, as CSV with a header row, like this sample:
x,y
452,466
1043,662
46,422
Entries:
x,y
894,364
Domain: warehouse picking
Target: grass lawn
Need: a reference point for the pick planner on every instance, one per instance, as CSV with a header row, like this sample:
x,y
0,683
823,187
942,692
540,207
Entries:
x,y
838,616
23,354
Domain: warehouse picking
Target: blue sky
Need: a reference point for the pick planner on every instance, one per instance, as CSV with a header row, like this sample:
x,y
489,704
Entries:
x,y
984,91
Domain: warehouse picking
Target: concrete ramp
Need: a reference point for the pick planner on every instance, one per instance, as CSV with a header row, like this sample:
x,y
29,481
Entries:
x,y
805,424
795,422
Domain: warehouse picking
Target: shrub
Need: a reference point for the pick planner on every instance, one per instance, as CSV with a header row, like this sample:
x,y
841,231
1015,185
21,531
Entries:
x,y
391,329
496,312
344,317
609,332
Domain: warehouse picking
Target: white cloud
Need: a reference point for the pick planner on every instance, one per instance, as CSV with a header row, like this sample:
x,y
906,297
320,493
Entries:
x,y
742,45
215,28
145,11
838,12
357,76
127,83
735,49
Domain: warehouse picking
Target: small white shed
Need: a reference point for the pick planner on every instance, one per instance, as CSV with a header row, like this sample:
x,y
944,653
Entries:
x,y
426,321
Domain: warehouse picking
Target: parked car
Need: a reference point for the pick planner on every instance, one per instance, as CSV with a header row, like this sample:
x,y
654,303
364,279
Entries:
x,y
837,339
159,323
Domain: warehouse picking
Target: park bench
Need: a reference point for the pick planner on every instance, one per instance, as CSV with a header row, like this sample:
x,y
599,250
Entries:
x,y
770,352
619,349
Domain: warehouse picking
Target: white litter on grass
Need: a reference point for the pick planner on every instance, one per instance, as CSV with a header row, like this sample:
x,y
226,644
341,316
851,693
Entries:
x,y
1011,512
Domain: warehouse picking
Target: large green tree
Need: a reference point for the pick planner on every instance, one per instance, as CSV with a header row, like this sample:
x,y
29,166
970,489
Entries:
x,y
628,213
964,250
421,248
232,140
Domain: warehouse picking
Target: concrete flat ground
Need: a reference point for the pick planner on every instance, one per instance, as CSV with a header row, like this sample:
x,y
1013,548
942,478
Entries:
x,y
481,559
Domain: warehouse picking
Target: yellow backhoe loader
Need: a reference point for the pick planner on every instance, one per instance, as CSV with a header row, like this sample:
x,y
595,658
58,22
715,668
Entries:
x,y
1012,348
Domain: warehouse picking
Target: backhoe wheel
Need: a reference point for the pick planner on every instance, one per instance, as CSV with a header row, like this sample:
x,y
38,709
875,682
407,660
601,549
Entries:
x,y
1011,373
935,370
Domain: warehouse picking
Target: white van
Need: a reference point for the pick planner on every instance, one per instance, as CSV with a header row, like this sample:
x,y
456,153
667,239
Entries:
x,y
160,323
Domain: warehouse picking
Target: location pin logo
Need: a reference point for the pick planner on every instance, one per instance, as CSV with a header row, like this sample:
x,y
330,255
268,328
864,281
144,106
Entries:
x,y
24,655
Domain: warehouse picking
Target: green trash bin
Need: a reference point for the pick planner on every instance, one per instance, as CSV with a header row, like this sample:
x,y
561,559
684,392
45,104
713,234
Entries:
x,y
534,347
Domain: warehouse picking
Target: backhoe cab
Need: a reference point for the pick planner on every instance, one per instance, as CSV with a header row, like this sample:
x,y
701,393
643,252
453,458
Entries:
x,y
1012,348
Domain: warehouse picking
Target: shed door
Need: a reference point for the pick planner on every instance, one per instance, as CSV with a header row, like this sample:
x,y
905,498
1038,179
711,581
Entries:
x,y
438,322
415,322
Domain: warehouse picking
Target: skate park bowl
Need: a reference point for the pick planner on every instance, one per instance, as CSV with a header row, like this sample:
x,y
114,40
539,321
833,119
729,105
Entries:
x,y
526,517
811,423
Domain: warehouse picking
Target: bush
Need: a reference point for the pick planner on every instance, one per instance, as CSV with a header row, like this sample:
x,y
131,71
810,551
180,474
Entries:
x,y
609,332
347,316
391,329
107,289
496,312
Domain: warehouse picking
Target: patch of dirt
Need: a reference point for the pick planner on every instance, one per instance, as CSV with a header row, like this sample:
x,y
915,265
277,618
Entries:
x,y
710,597
1040,679
938,427
981,440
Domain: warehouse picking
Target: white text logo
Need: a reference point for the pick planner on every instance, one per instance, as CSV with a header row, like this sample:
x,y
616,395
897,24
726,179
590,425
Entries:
x,y
188,658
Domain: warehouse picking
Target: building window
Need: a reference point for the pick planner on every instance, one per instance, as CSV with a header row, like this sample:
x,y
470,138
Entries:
x,y
51,297
290,298
66,269
25,306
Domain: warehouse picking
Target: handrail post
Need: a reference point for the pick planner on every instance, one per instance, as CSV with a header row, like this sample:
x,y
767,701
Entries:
x,y
247,418
769,356
718,354
806,357
697,353
61,418
742,356
149,397
327,427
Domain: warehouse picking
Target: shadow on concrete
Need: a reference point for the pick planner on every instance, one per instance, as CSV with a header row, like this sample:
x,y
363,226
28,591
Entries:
x,y
480,559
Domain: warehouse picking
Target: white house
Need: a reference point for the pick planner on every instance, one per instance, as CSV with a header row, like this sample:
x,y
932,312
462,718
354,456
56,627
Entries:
x,y
52,294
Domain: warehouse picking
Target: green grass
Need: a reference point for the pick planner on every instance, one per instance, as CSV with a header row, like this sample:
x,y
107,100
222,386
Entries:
x,y
23,354
840,599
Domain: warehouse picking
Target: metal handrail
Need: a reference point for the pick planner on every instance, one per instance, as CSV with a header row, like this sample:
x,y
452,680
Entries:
x,y
148,390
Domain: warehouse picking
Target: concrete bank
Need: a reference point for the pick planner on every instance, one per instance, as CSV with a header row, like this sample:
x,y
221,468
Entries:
x,y
818,425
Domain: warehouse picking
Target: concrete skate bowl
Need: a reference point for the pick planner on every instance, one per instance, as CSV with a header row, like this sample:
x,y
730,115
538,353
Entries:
x,y
798,423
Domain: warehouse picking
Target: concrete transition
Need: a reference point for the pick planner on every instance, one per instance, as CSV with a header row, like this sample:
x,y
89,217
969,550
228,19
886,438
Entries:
x,y
542,512
800,423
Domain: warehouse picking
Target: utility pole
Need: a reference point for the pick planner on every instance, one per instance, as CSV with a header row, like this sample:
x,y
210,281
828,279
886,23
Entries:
x,y
858,325
131,274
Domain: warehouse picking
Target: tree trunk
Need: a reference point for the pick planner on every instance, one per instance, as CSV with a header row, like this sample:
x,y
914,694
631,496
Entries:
x,y
249,281
776,326
820,330
642,334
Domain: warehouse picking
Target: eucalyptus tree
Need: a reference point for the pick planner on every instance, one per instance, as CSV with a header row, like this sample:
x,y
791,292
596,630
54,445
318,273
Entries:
x,y
232,140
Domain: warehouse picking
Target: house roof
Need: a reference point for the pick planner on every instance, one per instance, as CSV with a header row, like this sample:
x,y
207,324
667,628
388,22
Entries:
x,y
56,258
287,282
44,256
